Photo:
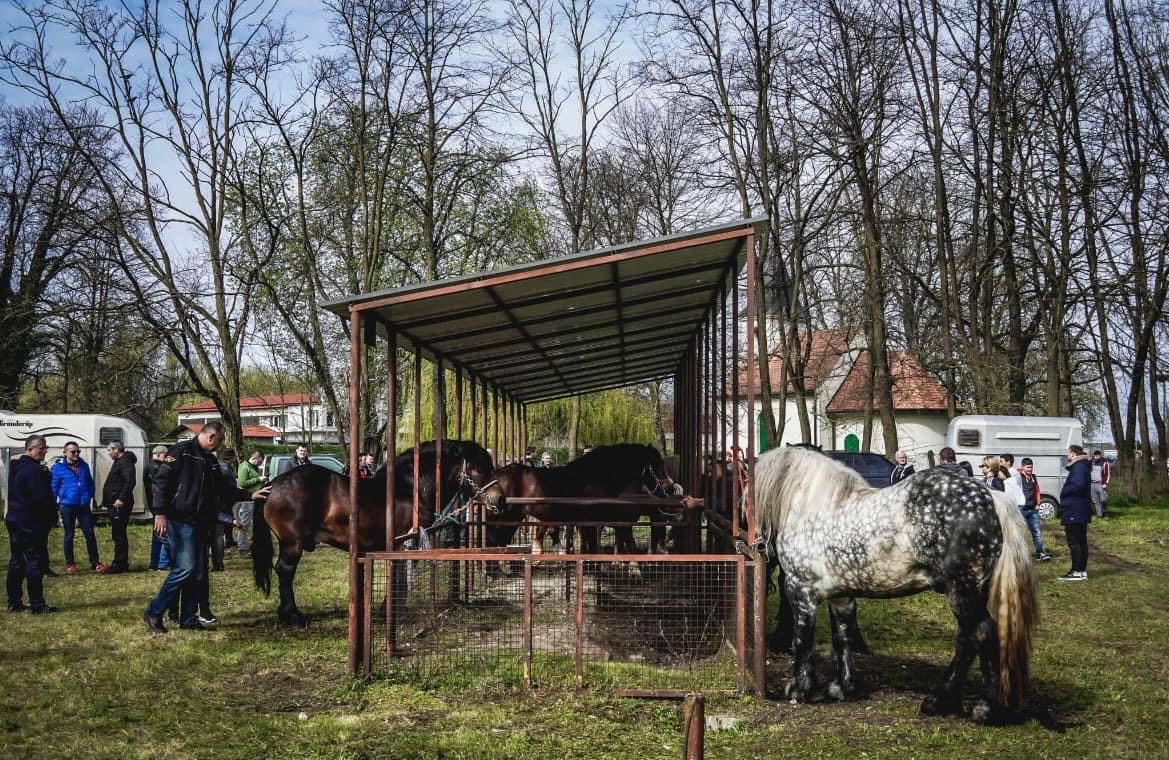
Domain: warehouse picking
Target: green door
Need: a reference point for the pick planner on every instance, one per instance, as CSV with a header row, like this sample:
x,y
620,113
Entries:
x,y
761,426
852,443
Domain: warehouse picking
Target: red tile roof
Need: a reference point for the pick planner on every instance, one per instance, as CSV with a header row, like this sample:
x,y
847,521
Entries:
x,y
270,401
914,389
822,349
250,431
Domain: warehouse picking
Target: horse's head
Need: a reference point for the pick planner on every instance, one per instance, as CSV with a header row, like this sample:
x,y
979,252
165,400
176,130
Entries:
x,y
493,495
655,479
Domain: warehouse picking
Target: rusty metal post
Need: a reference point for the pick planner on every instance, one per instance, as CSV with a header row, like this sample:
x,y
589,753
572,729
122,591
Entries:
x,y
417,434
366,619
483,409
391,599
355,586
749,497
391,437
439,432
741,619
694,726
458,403
578,654
759,605
722,329
527,622
735,489
499,457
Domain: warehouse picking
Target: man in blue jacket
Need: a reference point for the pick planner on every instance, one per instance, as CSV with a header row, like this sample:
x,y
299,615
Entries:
x,y
74,489
189,489
32,511
1075,511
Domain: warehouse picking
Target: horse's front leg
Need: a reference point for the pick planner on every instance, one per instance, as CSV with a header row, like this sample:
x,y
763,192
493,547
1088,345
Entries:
x,y
843,619
286,573
781,638
804,641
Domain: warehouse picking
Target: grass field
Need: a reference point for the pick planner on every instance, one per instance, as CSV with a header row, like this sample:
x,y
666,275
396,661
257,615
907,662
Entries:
x,y
90,681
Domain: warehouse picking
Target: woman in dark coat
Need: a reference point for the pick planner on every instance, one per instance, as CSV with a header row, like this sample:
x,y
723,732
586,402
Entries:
x,y
1075,511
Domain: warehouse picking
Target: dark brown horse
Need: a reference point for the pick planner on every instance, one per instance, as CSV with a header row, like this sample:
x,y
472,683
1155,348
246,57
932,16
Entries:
x,y
310,505
606,471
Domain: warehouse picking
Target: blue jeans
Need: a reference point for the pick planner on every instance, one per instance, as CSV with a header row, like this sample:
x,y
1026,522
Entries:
x,y
188,565
81,516
1032,518
159,554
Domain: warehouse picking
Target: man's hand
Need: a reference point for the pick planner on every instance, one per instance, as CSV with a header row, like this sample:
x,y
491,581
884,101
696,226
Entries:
x,y
160,523
262,494
119,503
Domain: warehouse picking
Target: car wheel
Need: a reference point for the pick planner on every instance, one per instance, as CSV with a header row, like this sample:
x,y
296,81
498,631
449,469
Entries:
x,y
1048,508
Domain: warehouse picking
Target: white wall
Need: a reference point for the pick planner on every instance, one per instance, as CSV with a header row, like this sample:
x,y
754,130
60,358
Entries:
x,y
917,432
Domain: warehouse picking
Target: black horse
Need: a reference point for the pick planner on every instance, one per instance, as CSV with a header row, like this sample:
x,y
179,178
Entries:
x,y
606,471
310,505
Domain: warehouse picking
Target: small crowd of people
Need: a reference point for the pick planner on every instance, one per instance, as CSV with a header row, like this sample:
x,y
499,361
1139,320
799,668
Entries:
x,y
197,498
1084,488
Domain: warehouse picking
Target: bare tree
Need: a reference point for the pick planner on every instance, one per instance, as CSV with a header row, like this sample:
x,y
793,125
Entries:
x,y
165,88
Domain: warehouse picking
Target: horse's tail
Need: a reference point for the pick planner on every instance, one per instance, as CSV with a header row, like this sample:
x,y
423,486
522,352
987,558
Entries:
x,y
262,551
1013,602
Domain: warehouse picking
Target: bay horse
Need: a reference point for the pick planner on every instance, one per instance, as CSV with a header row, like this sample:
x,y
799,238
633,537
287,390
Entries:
x,y
310,505
607,471
837,538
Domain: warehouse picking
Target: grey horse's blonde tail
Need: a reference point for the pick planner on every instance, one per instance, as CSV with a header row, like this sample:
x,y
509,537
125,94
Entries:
x,y
1013,603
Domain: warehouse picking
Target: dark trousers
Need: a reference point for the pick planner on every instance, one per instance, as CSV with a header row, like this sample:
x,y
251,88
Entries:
x,y
1077,535
78,516
218,542
119,519
28,553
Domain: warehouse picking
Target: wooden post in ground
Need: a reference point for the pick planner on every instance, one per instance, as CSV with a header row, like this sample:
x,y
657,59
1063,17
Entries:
x,y
693,726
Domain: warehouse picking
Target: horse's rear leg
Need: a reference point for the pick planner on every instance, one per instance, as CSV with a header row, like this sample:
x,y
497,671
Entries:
x,y
843,619
804,641
976,635
286,573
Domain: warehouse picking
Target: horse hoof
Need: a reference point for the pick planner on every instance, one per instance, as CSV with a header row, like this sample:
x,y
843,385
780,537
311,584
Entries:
x,y
294,621
935,705
837,692
793,692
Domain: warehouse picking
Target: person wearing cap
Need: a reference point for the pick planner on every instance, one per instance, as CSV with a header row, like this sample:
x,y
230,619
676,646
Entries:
x,y
159,559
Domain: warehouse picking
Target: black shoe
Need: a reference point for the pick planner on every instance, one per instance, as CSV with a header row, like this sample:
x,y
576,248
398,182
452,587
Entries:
x,y
208,619
217,569
153,622
195,626
18,607
49,573
115,568
46,610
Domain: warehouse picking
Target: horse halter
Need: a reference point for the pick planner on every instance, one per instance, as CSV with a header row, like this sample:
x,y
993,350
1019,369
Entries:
x,y
489,503
663,487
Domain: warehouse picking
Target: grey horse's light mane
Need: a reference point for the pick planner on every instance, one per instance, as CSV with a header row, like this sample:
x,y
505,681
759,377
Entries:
x,y
793,477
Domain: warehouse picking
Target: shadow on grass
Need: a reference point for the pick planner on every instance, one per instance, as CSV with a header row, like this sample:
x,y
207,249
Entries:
x,y
1052,703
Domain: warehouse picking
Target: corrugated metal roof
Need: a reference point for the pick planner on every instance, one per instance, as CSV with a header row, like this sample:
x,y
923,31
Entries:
x,y
575,324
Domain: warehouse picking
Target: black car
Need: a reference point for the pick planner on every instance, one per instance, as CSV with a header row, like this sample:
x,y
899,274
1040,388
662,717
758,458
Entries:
x,y
874,468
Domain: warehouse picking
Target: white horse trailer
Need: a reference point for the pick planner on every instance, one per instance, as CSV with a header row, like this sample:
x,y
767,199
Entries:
x,y
1044,439
92,432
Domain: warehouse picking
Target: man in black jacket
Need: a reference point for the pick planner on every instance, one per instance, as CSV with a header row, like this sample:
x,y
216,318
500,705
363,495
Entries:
x,y
188,491
117,496
32,510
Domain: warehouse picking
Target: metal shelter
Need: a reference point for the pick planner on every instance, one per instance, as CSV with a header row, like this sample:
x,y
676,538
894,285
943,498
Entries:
x,y
676,307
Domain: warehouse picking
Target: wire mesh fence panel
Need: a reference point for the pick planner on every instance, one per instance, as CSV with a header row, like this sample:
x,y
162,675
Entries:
x,y
559,621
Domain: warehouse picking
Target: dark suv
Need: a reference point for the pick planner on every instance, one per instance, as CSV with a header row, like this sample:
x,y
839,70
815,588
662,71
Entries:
x,y
874,468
